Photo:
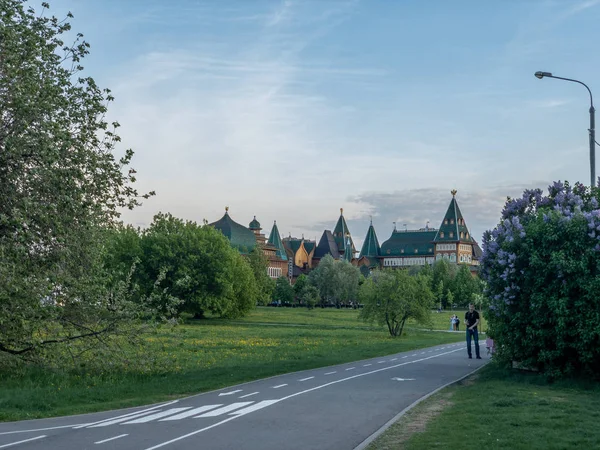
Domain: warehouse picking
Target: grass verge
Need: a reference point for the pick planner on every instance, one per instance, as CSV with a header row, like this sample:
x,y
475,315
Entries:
x,y
204,355
501,409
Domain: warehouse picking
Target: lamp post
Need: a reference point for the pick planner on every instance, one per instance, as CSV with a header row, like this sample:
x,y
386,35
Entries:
x,y
592,130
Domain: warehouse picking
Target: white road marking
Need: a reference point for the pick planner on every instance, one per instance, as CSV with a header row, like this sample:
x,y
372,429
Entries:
x,y
111,439
380,362
20,442
231,392
279,385
393,359
366,365
77,425
126,415
119,420
403,379
404,357
158,415
350,368
224,409
191,412
248,395
331,373
298,393
422,353
255,407
414,355
307,378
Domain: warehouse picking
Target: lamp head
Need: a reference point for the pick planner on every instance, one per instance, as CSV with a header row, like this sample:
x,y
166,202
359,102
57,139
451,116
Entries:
x,y
541,75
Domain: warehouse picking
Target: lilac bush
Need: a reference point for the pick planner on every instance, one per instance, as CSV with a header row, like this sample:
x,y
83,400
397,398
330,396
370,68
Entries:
x,y
541,264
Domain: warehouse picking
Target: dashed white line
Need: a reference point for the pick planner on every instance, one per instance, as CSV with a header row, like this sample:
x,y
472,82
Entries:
x,y
248,395
20,442
307,378
255,407
414,354
331,373
393,359
279,385
111,439
380,362
350,368
367,365
404,357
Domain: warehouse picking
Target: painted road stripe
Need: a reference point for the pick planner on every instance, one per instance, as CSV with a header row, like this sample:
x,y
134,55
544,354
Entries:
x,y
350,368
331,373
111,439
130,415
252,408
191,412
380,362
225,409
404,357
393,359
21,442
158,415
195,432
307,378
366,365
230,392
120,419
248,395
279,385
414,354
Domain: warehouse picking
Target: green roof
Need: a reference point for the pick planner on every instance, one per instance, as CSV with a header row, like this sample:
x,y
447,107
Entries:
x,y
293,244
370,246
340,231
255,224
239,236
409,243
309,245
453,225
275,241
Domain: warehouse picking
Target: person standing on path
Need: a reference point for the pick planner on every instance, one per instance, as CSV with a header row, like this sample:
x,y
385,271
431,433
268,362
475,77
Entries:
x,y
471,321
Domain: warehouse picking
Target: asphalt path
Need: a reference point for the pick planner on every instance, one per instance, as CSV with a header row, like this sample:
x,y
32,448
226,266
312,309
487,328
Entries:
x,y
335,407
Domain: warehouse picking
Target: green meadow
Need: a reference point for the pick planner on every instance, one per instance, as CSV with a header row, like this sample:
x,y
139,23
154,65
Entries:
x,y
199,356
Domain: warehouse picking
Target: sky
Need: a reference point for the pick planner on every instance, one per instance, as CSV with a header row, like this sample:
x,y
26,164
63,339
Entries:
x,y
292,109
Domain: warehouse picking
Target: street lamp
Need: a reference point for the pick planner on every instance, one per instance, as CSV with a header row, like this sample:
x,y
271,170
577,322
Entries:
x,y
591,130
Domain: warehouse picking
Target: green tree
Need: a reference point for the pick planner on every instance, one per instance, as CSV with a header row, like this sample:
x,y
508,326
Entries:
x,y
60,185
200,267
346,280
309,296
264,284
322,277
299,285
444,272
464,286
391,297
283,293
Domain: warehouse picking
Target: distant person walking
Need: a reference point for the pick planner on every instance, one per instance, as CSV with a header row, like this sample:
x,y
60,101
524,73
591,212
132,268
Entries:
x,y
471,321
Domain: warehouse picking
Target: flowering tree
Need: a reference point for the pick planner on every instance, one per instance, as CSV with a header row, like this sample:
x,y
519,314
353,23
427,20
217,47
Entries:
x,y
542,265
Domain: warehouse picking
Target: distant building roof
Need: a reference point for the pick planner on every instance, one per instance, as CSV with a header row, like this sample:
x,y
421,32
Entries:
x,y
275,241
255,224
327,245
370,246
239,236
453,225
409,243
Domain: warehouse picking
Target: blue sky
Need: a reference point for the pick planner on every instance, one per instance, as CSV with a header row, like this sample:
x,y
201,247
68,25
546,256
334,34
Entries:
x,y
291,109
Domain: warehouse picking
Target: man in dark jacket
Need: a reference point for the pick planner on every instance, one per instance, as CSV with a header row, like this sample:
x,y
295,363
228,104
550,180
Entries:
x,y
471,321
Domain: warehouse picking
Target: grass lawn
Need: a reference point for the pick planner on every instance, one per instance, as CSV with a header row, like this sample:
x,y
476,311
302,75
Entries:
x,y
210,354
500,409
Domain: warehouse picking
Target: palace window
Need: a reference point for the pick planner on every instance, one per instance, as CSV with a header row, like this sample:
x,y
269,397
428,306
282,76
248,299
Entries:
x,y
467,235
430,250
402,250
416,250
441,234
451,221
451,234
445,221
462,235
